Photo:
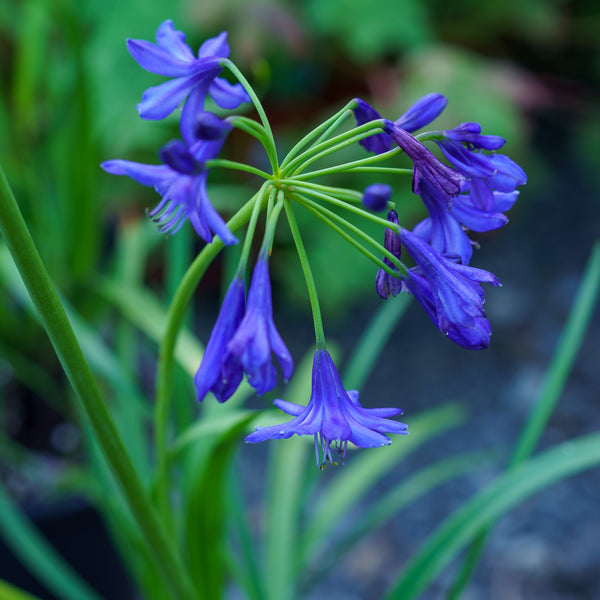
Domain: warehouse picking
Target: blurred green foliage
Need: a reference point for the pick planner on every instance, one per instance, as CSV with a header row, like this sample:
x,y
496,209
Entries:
x,y
68,90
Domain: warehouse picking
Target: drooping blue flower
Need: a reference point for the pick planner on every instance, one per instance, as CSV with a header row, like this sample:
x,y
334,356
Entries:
x,y
214,375
181,182
487,173
257,337
333,415
387,285
376,196
470,135
449,292
442,230
445,181
194,78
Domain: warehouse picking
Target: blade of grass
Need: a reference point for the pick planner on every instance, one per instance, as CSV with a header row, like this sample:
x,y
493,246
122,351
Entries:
x,y
38,555
10,592
65,343
147,313
372,515
373,341
556,377
287,465
495,500
349,487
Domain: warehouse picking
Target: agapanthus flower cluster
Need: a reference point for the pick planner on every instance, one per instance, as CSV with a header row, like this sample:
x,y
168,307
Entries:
x,y
466,186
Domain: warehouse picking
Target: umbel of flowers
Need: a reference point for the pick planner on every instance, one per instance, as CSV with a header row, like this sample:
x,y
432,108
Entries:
x,y
469,189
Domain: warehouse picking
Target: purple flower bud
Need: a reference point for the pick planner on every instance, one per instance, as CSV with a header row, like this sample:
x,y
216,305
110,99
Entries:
x,y
213,375
470,134
422,112
378,143
387,285
376,196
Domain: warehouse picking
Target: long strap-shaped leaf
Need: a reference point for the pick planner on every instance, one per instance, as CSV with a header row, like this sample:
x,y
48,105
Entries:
x,y
507,491
10,592
556,377
60,332
39,556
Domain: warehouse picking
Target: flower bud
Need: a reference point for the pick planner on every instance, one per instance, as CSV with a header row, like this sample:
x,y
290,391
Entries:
x,y
376,196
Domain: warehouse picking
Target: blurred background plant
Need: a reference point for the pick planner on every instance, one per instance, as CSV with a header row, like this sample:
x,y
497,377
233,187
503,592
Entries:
x,y
528,71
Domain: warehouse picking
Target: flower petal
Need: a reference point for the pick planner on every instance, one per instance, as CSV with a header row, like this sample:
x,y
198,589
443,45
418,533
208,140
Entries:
x,y
422,112
173,41
228,95
159,61
151,175
216,46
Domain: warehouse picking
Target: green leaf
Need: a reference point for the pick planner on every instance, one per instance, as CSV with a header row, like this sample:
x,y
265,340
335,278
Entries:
x,y
38,555
368,467
503,494
10,592
391,503
147,313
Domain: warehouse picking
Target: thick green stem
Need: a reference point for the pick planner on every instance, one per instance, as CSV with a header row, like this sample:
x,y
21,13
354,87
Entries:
x,y
175,319
58,327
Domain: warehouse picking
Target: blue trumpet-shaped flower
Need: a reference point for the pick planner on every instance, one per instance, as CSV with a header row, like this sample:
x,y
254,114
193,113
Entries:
x,y
193,78
181,182
486,173
257,337
445,181
449,292
215,375
333,415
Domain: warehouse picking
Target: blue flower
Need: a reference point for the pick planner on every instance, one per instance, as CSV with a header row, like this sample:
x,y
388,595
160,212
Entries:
x,y
333,415
181,182
449,292
387,285
445,181
442,230
257,337
376,196
486,173
194,78
421,113
214,375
